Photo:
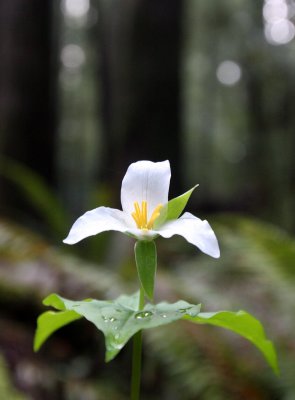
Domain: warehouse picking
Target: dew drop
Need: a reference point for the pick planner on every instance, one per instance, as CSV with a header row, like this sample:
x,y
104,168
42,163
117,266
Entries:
x,y
109,319
143,314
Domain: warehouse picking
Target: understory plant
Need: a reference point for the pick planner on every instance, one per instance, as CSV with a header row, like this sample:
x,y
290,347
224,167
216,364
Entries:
x,y
146,214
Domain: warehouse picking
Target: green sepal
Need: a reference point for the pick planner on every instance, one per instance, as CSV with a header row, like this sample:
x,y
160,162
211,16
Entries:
x,y
146,263
174,208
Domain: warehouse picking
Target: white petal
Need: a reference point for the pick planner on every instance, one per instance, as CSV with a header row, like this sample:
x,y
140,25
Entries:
x,y
148,181
195,231
99,220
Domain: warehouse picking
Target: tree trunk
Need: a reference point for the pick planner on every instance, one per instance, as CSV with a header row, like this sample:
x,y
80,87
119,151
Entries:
x,y
141,88
26,89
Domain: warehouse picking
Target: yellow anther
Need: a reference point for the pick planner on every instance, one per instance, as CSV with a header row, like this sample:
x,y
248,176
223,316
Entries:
x,y
140,215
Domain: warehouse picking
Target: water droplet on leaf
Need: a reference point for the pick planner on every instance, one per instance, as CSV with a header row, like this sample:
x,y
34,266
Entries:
x,y
109,319
143,314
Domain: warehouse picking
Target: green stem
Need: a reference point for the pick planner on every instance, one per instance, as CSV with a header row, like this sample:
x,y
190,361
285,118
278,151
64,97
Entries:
x,y
136,356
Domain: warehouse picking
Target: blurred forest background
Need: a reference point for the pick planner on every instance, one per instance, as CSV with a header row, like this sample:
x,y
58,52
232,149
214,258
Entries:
x,y
86,88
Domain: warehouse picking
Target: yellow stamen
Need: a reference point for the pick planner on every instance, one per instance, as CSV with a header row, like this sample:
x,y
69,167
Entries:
x,y
137,209
135,217
144,212
155,215
140,215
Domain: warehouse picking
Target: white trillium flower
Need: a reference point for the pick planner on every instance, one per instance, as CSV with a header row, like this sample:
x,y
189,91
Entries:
x,y
144,194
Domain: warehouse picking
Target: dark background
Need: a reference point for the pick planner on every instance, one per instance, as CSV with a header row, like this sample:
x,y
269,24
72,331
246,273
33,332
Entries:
x,y
86,88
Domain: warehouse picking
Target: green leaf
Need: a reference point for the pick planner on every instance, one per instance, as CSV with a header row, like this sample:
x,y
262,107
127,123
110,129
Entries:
x,y
146,263
119,320
54,301
49,322
243,324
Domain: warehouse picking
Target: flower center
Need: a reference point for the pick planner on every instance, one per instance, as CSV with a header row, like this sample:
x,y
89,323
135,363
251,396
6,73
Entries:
x,y
140,215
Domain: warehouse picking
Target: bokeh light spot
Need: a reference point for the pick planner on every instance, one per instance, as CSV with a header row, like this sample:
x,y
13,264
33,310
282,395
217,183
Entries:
x,y
75,8
72,56
228,73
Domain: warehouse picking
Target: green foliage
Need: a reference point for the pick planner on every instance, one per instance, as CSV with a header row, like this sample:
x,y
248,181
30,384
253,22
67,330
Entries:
x,y
243,324
266,240
50,322
146,263
255,273
7,391
34,188
120,319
